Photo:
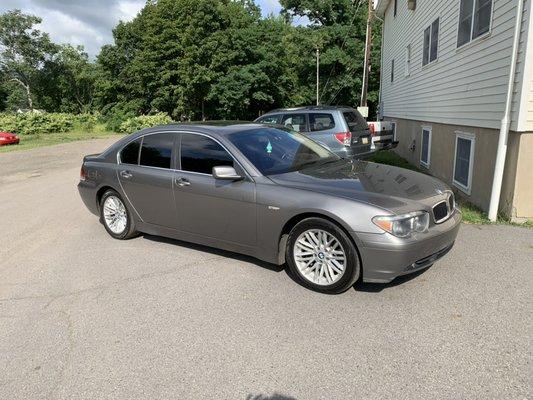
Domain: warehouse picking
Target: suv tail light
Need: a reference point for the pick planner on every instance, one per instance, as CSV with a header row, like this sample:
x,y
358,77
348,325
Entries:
x,y
344,137
83,174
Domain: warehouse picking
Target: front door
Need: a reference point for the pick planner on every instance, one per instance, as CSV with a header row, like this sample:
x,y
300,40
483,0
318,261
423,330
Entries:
x,y
147,178
223,210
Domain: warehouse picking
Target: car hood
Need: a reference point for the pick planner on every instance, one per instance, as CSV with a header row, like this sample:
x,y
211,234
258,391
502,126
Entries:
x,y
385,186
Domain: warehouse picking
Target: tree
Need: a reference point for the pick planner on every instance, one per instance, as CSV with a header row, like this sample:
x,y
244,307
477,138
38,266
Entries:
x,y
23,50
338,29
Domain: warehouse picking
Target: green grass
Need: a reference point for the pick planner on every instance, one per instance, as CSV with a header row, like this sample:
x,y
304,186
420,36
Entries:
x,y
471,213
48,139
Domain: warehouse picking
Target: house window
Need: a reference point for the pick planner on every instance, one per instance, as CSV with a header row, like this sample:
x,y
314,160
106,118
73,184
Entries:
x,y
393,128
408,60
425,151
395,7
474,20
464,161
392,71
431,43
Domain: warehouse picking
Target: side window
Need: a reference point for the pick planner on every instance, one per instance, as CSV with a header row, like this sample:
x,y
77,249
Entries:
x,y
130,153
200,154
464,160
474,20
156,150
295,122
425,153
269,119
321,122
430,50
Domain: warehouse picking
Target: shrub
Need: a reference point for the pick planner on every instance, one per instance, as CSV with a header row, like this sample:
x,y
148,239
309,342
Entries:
x,y
42,123
144,121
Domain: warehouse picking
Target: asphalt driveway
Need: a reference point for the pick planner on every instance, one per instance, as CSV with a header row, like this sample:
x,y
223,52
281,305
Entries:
x,y
83,316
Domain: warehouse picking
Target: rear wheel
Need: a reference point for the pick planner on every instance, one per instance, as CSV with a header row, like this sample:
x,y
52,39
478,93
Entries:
x,y
115,216
321,256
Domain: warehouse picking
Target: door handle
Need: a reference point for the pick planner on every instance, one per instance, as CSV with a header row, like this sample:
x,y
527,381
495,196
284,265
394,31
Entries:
x,y
126,174
182,182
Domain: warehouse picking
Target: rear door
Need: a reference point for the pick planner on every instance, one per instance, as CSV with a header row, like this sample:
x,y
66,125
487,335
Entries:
x,y
218,209
146,176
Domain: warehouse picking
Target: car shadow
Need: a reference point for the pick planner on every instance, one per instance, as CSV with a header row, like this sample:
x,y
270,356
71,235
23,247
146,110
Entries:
x,y
358,286
214,251
275,396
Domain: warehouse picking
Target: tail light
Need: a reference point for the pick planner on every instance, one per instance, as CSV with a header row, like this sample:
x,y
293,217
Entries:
x,y
344,137
83,174
372,129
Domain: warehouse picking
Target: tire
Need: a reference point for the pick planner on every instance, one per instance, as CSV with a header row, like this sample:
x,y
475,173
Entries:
x,y
125,228
319,268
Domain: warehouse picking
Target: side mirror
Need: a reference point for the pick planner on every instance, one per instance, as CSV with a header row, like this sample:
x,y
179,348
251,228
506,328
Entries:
x,y
226,173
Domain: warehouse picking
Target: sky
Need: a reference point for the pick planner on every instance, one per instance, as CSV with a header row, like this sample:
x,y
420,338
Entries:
x,y
89,22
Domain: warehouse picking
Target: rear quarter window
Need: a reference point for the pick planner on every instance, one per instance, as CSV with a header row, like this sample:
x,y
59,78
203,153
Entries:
x,y
130,153
355,121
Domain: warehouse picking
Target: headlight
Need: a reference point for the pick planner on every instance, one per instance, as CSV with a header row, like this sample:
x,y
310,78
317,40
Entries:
x,y
403,225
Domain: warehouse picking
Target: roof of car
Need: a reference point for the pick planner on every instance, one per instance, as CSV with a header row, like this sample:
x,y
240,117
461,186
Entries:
x,y
309,108
209,127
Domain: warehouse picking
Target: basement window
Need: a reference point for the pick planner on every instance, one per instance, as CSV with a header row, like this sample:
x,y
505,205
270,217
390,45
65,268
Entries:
x,y
464,161
425,151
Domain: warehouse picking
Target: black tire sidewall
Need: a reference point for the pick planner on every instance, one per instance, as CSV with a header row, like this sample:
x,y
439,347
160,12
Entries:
x,y
126,233
353,269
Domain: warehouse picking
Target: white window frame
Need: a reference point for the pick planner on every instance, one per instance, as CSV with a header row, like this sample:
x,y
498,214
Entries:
x,y
480,37
467,136
430,26
408,50
424,163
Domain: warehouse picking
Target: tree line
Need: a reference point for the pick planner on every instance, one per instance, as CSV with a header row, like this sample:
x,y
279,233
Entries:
x,y
194,59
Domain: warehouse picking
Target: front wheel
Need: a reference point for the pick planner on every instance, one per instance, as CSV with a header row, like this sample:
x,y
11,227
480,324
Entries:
x,y
116,217
321,256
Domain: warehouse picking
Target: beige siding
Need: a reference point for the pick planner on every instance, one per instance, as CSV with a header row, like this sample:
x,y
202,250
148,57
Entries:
x,y
465,86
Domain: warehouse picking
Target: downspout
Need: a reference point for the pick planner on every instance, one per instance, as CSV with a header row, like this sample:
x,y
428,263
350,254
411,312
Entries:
x,y
505,122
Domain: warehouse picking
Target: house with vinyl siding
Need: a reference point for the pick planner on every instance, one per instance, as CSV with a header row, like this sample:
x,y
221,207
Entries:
x,y
448,70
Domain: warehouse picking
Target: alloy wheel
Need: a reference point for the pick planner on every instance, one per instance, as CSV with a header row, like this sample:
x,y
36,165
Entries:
x,y
319,257
115,215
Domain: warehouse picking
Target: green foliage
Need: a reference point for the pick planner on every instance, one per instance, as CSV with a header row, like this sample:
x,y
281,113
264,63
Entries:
x,y
42,123
144,121
391,158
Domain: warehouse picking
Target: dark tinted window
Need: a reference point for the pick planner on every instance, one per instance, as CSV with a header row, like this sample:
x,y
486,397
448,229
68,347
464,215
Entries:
x,y
200,154
157,150
321,122
295,122
434,40
130,153
355,121
269,119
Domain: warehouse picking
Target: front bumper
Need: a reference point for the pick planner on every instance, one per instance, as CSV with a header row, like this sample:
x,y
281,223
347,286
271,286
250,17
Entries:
x,y
385,257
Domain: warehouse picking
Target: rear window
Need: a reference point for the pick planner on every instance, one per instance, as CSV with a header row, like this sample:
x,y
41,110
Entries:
x,y
355,121
321,122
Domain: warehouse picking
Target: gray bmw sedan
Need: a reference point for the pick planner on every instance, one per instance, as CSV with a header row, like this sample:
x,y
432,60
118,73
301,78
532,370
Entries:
x,y
275,195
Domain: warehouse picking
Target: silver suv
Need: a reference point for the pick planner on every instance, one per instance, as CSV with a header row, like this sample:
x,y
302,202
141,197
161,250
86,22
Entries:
x,y
341,129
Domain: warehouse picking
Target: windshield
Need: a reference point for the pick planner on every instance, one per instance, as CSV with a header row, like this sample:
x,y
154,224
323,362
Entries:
x,y
276,151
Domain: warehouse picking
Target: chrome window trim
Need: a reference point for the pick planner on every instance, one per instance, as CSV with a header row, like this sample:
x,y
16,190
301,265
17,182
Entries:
x,y
179,153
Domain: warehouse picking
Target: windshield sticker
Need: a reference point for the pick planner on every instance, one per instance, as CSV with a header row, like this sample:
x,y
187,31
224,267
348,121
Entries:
x,y
269,147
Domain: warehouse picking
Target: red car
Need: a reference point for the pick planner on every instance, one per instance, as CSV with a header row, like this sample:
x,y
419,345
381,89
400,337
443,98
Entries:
x,y
8,138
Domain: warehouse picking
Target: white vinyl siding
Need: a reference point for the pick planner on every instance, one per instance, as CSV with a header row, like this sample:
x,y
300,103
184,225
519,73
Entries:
x,y
467,86
464,161
425,146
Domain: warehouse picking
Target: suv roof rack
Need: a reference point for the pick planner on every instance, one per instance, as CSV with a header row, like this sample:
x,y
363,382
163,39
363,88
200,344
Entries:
x,y
303,108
